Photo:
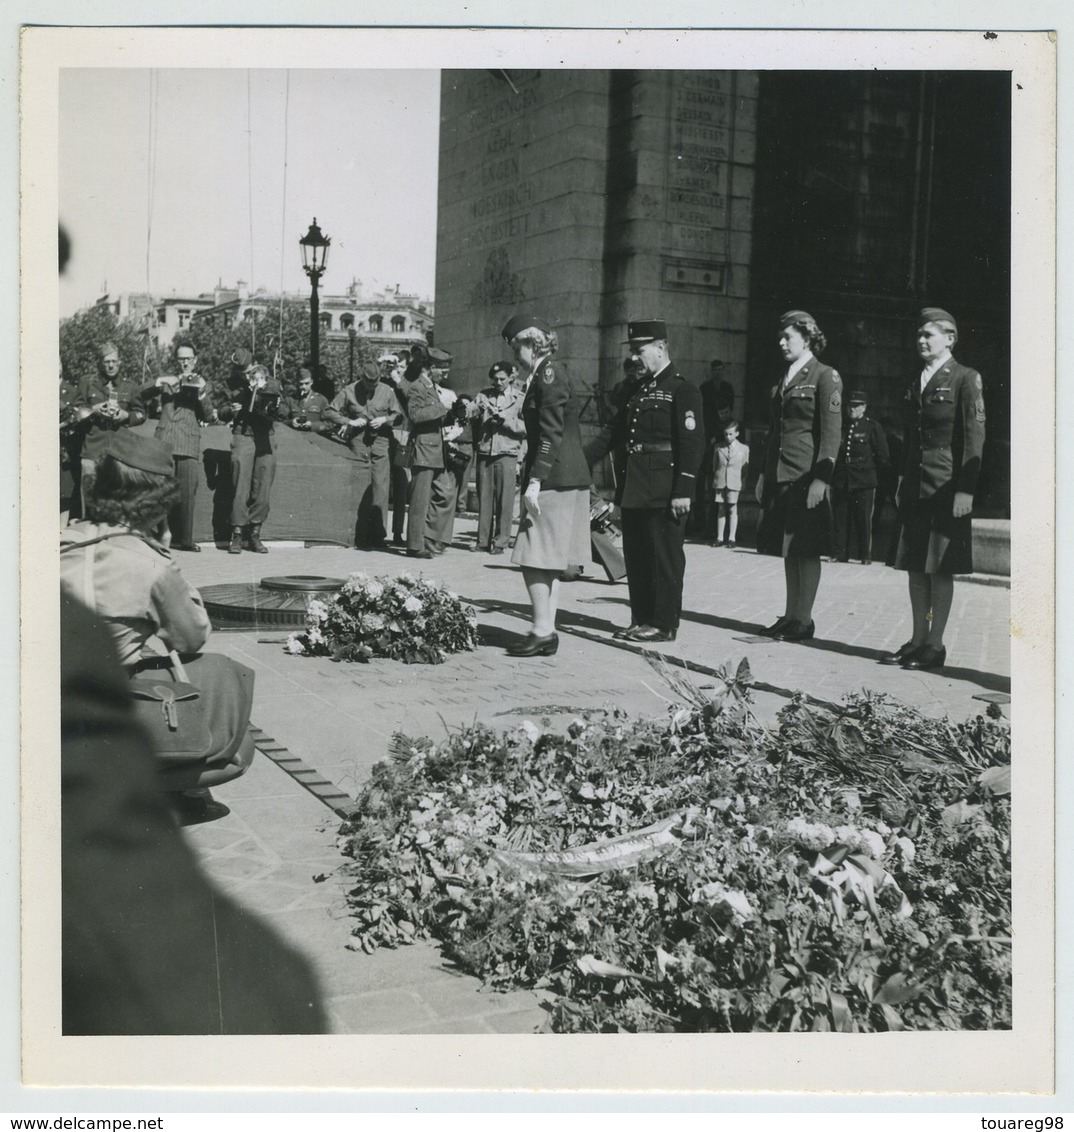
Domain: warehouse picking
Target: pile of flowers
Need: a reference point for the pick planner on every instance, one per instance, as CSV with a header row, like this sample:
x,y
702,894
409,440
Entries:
x,y
404,618
701,873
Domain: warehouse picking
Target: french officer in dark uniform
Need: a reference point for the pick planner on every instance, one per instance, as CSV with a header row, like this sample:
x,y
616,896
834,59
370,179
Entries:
x,y
944,423
805,424
862,457
661,431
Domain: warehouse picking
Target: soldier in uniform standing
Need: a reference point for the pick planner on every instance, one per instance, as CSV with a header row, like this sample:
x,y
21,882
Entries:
x,y
305,411
661,431
862,457
499,442
805,422
183,406
425,443
944,421
107,402
255,402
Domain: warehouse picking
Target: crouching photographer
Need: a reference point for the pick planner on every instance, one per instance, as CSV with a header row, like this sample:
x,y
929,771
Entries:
x,y
195,706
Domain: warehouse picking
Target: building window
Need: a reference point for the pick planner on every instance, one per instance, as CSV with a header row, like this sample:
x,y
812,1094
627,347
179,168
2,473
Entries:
x,y
227,320
398,324
346,321
376,323
326,320
184,317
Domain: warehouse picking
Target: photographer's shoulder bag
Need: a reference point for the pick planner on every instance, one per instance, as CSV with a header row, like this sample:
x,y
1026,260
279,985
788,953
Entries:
x,y
197,714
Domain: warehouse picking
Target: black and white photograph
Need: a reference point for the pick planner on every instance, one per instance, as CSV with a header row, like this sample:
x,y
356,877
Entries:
x,y
554,571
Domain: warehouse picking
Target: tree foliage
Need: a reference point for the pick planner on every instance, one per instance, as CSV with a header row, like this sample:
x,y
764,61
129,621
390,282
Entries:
x,y
82,335
278,339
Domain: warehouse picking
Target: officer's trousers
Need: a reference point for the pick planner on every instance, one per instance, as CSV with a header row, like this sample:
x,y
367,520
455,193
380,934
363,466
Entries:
x,y
181,516
852,519
656,564
495,499
372,464
253,468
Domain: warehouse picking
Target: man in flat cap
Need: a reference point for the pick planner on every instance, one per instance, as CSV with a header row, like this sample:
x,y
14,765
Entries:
x,y
863,454
661,430
367,411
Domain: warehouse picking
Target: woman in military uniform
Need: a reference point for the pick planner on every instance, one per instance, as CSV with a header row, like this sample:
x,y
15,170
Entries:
x,y
944,422
805,415
554,532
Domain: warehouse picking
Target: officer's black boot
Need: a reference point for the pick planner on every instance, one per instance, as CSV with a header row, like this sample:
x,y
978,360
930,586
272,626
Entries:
x,y
253,541
235,546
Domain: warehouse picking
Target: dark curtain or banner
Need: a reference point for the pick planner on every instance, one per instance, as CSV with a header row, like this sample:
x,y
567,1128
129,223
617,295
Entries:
x,y
314,495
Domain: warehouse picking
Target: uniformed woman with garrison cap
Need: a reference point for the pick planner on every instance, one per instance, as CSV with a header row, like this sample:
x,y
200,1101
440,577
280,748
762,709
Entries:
x,y
554,532
805,425
944,422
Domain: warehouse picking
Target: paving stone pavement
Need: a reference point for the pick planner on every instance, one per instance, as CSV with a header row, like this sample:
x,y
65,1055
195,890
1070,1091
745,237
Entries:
x,y
276,851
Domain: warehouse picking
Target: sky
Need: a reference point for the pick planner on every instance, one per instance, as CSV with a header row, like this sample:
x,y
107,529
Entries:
x,y
174,179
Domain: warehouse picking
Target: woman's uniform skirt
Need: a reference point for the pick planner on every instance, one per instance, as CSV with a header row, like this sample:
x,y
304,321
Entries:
x,y
932,540
559,536
788,528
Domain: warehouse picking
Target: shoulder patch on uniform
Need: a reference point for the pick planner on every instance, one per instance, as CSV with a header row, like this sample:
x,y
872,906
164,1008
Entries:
x,y
835,376
835,402
979,409
980,383
549,375
688,421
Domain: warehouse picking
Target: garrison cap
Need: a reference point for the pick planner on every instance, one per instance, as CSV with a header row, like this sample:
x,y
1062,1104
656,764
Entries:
x,y
519,322
145,453
646,330
304,374
937,315
107,348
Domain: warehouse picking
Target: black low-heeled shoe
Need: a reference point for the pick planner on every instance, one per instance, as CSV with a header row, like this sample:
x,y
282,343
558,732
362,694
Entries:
x,y
902,654
535,646
796,631
775,627
927,658
627,633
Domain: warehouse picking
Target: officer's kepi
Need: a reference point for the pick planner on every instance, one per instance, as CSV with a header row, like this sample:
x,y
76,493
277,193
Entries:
x,y
646,330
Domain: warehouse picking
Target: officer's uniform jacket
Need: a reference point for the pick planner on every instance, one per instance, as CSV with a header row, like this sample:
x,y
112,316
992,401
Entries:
x,y
805,425
504,438
729,462
944,432
312,407
554,454
91,392
661,433
180,414
425,411
359,400
863,452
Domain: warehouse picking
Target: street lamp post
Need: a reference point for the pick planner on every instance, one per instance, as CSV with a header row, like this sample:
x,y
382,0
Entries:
x,y
315,246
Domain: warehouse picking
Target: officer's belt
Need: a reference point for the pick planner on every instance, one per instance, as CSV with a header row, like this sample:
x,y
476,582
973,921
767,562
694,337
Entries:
x,y
643,449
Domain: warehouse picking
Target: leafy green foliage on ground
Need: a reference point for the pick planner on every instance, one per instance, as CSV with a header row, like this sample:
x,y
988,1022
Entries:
x,y
845,870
